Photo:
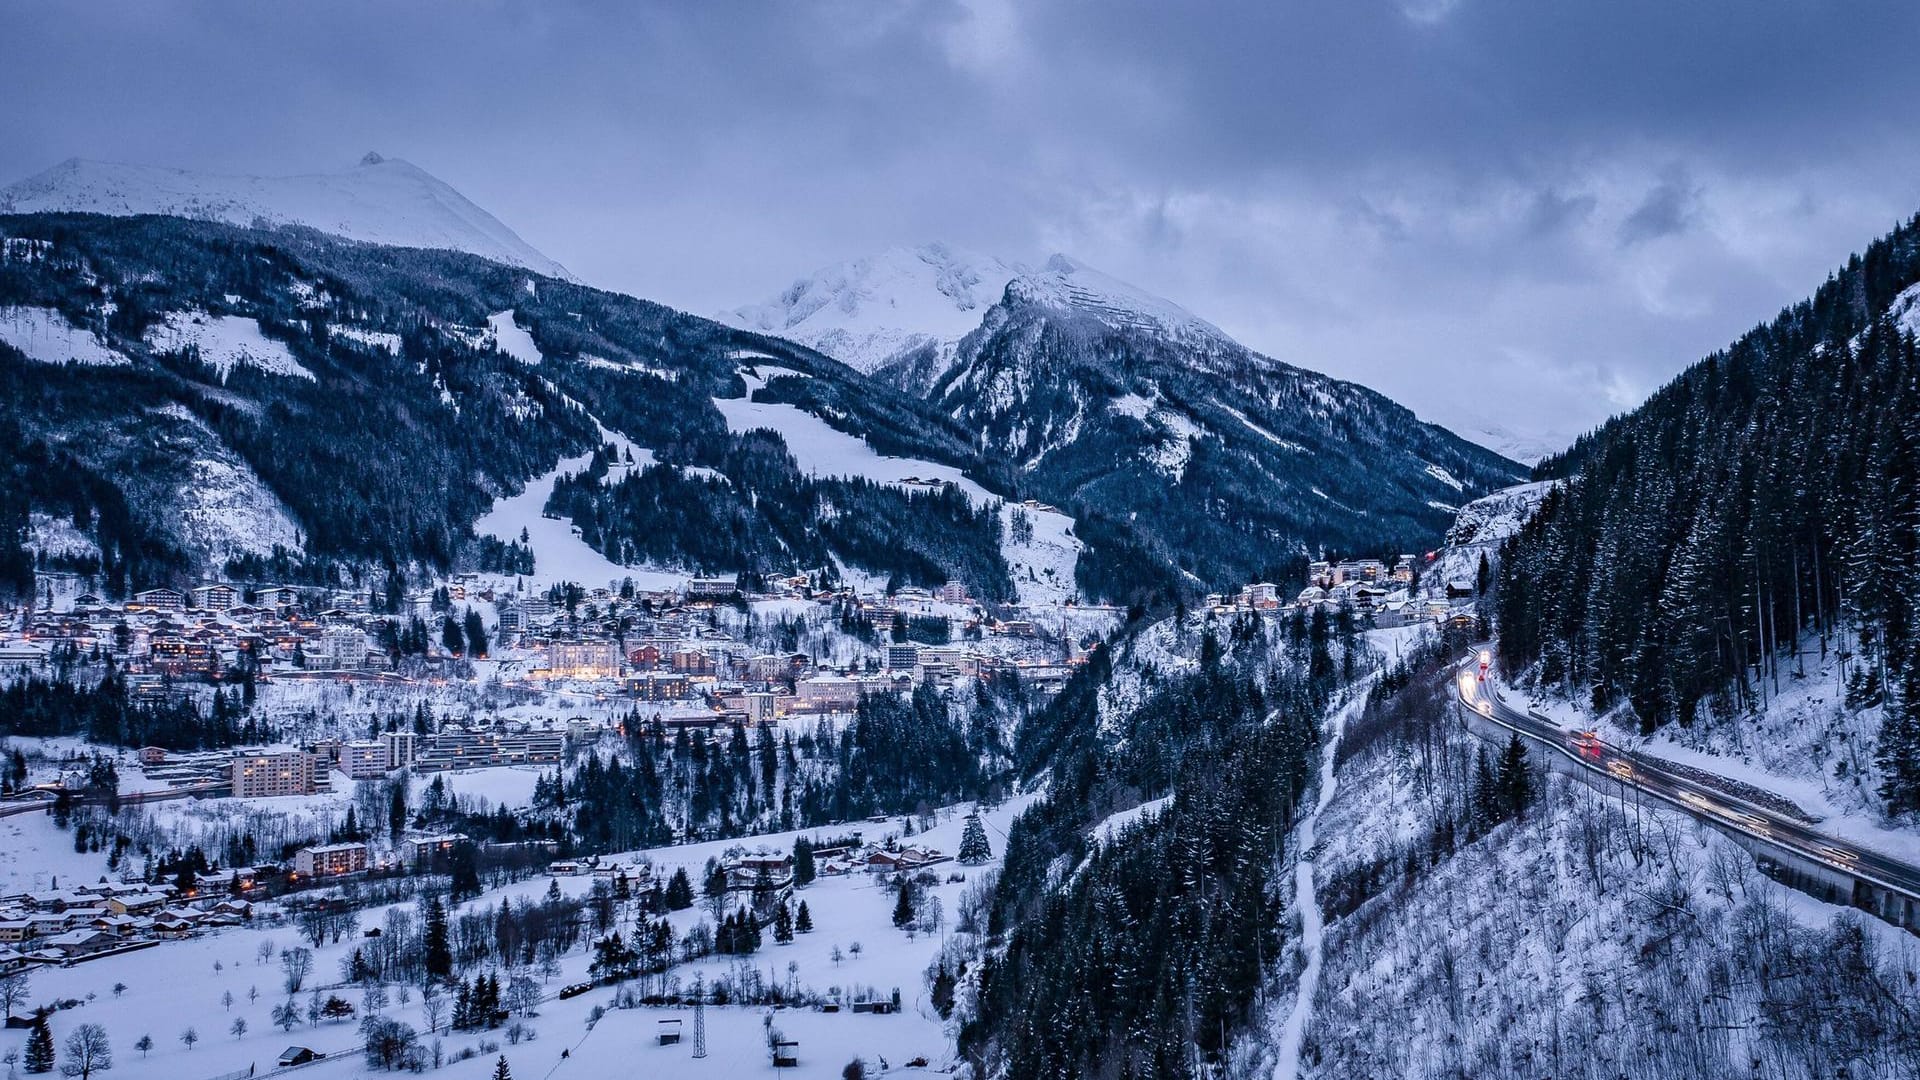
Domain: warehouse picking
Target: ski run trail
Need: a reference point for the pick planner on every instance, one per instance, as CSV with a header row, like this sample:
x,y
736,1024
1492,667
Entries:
x,y
1293,1032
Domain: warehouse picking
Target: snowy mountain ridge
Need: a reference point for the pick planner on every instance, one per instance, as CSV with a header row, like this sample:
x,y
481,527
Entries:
x,y
380,200
868,312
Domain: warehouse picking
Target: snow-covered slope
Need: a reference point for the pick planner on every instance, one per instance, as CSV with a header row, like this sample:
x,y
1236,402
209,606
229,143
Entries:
x,y
868,313
380,200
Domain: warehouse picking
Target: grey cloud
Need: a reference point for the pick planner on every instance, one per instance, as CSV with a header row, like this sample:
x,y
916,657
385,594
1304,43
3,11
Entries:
x,y
1398,192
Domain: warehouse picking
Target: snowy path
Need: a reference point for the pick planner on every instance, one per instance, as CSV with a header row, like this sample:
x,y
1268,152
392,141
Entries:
x,y
1293,1033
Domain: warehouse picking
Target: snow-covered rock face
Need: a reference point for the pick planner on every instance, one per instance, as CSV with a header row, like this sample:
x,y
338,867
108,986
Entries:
x,y
1480,528
1069,286
868,312
380,200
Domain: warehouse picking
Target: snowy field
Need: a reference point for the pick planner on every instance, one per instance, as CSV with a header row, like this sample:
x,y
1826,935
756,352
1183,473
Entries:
x,y
177,985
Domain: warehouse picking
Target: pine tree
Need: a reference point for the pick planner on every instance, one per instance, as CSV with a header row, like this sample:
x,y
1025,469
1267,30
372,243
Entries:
x,y
942,991
500,1070
974,848
782,924
803,922
39,1055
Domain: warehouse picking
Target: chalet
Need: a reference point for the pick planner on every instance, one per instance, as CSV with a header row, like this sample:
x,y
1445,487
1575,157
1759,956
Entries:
x,y
118,925
78,943
173,929
13,931
907,858
427,848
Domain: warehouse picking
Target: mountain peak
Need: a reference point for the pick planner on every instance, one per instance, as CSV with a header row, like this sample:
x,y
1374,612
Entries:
x,y
382,201
1066,284
869,311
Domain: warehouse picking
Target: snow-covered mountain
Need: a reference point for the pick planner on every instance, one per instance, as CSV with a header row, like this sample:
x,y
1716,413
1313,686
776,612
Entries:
x,y
870,313
1106,396
380,200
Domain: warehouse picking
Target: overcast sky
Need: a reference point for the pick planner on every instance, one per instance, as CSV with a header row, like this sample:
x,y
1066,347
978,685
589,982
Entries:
x,y
1528,214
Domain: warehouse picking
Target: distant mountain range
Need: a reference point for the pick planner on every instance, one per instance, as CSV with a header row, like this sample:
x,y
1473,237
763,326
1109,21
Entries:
x,y
1104,395
380,200
230,393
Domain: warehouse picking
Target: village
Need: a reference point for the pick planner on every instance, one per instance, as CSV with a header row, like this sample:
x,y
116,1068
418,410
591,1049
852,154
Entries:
x,y
1381,596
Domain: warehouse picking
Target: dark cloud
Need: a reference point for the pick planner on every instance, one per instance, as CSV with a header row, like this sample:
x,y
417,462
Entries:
x,y
1668,209
1428,195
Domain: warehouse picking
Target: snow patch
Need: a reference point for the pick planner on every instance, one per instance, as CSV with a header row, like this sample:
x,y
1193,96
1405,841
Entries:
x,y
45,335
512,340
224,342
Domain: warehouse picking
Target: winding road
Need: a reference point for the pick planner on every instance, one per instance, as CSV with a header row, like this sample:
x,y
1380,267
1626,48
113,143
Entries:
x,y
1635,772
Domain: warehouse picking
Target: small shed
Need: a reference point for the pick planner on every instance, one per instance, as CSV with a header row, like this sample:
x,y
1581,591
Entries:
x,y
297,1055
669,1032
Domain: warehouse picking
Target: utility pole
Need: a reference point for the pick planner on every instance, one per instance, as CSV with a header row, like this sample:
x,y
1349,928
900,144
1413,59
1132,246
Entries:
x,y
700,1016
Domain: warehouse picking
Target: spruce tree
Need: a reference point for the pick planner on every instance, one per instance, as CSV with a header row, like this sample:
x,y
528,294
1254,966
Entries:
x,y
974,848
500,1070
439,951
903,905
679,895
1516,778
39,1055
803,922
803,868
782,924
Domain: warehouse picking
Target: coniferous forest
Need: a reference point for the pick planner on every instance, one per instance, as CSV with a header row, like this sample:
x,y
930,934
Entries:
x,y
1145,955
1767,500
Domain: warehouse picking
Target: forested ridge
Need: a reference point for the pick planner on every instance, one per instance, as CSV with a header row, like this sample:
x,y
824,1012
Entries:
x,y
1768,495
1143,955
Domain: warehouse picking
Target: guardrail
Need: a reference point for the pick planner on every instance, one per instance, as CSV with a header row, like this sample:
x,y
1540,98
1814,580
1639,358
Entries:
x,y
1715,820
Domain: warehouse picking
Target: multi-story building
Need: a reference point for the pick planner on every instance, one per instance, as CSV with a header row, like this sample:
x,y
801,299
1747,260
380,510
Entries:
x,y
330,860
583,659
402,748
275,773
157,600
714,588
364,760
215,597
342,648
903,657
